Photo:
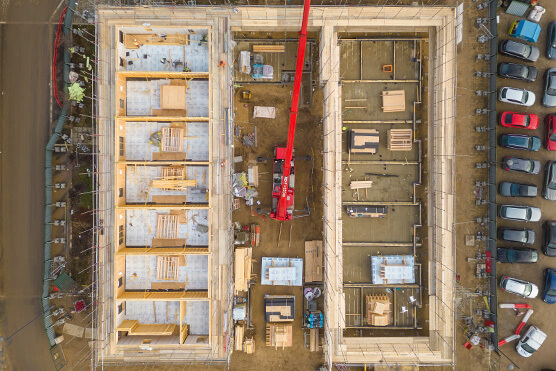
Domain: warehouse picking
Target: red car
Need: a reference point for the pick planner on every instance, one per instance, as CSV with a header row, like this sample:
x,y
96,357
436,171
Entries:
x,y
551,132
519,120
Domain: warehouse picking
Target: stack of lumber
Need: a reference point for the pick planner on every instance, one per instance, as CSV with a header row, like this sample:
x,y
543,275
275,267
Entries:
x,y
255,235
314,339
133,327
242,272
313,261
167,268
278,336
378,310
400,139
393,101
132,41
269,48
357,184
239,333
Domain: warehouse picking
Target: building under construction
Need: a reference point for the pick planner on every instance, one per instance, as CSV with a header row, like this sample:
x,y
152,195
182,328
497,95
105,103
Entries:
x,y
165,140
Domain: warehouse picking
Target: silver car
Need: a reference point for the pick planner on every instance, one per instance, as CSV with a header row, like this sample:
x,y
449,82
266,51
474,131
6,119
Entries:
x,y
549,96
519,287
520,213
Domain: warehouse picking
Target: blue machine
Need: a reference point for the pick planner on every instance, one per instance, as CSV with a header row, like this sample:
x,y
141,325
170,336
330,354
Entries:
x,y
525,30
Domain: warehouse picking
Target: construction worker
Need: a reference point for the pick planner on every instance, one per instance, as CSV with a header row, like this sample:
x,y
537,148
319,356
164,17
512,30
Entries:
x,y
221,64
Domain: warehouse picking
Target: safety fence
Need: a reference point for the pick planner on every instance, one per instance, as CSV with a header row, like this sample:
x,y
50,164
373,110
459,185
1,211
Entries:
x,y
56,353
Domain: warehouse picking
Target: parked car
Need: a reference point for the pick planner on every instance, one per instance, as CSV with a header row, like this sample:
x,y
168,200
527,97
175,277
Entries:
x,y
522,236
519,287
520,141
517,96
519,213
517,71
551,132
519,120
549,290
530,342
551,41
549,186
519,50
517,255
549,240
510,189
523,165
549,96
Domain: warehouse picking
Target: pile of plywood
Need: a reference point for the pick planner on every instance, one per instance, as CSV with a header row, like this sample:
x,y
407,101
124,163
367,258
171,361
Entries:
x,y
242,273
278,336
364,141
313,261
172,97
133,327
400,139
378,310
249,346
393,101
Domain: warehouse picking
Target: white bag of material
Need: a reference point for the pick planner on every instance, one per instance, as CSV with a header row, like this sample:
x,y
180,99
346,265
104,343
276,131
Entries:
x,y
268,72
239,312
264,112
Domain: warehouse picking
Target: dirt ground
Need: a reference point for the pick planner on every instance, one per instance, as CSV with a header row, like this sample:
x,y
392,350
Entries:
x,y
26,47
308,191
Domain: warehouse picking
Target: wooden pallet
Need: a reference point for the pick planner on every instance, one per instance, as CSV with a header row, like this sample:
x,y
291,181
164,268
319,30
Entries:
x,y
167,268
400,139
167,226
172,140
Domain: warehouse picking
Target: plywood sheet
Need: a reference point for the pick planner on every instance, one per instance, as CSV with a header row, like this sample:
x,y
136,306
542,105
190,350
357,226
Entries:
x,y
169,199
172,97
393,101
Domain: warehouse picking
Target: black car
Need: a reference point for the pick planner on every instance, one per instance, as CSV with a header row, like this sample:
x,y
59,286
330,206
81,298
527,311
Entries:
x,y
523,236
517,255
549,243
510,189
517,71
523,165
549,290
519,50
551,41
549,186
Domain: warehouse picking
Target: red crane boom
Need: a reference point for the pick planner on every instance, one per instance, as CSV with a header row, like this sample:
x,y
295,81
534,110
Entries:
x,y
281,212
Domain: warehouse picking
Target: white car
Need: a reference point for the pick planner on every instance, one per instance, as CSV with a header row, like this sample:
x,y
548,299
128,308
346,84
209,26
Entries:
x,y
530,342
520,97
519,287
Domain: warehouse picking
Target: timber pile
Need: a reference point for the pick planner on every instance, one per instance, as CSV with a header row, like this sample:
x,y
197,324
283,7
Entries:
x,y
278,336
269,48
249,346
167,268
313,261
173,179
167,226
133,41
242,272
378,310
239,333
400,139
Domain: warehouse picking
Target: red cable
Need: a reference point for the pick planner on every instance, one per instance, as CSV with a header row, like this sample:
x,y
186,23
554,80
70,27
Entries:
x,y
55,58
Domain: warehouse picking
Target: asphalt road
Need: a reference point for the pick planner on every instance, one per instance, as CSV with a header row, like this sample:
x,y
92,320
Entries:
x,y
543,315
25,49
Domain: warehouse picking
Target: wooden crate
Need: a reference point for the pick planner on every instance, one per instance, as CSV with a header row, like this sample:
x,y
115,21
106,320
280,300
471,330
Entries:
x,y
400,139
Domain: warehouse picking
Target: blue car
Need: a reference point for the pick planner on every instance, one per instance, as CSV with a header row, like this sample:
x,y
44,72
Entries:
x,y
549,291
520,141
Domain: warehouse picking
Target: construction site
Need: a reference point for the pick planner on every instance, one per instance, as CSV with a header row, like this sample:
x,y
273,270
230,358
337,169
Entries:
x,y
204,251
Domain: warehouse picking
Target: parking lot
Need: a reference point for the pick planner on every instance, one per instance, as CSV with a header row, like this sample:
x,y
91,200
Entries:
x,y
543,315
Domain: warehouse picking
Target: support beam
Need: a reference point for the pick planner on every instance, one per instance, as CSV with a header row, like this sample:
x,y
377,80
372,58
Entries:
x,y
380,203
375,162
164,207
378,244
